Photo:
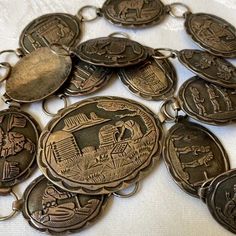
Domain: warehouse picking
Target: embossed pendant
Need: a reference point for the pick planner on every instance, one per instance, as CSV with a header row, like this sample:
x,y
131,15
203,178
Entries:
x,y
86,78
152,80
55,28
112,52
212,33
209,67
38,75
220,199
207,102
51,209
133,13
193,155
100,145
19,134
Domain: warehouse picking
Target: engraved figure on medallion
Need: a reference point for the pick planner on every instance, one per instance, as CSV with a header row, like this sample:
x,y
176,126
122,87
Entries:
x,y
198,101
213,97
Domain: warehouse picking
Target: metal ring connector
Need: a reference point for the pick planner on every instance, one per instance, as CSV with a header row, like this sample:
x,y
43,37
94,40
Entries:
x,y
14,210
44,103
62,50
123,195
7,66
177,5
171,53
118,34
84,19
10,51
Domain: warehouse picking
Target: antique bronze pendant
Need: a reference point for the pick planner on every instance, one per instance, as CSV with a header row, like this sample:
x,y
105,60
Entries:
x,y
51,209
193,155
100,145
207,102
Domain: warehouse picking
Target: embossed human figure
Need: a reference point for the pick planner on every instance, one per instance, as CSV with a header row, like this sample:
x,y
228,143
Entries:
x,y
195,149
198,101
227,99
213,98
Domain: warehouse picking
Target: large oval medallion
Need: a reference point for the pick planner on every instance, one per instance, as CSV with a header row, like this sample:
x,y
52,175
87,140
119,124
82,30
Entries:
x,y
19,134
207,102
38,75
100,145
152,79
212,33
209,67
112,52
193,155
133,13
49,208
55,28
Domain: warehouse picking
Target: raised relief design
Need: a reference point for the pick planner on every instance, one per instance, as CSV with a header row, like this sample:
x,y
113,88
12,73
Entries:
x,y
209,67
134,13
208,102
212,33
151,79
111,51
124,140
49,29
193,155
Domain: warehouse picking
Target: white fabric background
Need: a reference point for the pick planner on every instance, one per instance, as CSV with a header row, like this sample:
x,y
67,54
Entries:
x,y
160,207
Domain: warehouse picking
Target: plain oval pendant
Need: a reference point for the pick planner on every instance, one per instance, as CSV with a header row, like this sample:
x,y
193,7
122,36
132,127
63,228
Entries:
x,y
209,67
212,33
193,155
50,209
151,80
207,102
100,145
38,75
133,13
112,52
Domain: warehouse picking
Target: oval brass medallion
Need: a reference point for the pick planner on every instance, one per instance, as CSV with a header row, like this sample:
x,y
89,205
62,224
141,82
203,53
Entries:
x,y
49,208
38,75
212,33
193,155
100,145
207,102
55,28
152,79
134,13
19,135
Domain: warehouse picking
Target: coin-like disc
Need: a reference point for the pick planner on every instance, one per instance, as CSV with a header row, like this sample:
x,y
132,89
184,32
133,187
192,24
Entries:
x,y
207,102
86,78
221,198
38,75
100,145
209,67
133,13
212,33
19,134
112,52
152,79
193,155
55,28
51,209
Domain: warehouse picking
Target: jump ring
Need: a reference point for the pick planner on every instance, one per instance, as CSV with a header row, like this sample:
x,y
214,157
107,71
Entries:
x,y
6,66
171,53
175,5
123,34
84,19
123,195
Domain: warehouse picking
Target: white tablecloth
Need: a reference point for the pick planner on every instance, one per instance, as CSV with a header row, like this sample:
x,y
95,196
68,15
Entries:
x,y
160,207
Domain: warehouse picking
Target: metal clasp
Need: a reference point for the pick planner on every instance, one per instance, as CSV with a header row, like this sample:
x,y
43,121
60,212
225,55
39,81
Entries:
x,y
121,194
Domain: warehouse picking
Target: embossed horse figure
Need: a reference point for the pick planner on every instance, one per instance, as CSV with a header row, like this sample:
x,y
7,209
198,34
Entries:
x,y
125,6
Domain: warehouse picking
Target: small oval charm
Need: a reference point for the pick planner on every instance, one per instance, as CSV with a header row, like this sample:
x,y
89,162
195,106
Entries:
x,y
209,67
112,52
38,75
50,209
19,134
133,13
193,155
55,28
86,78
212,33
220,199
151,80
100,145
208,102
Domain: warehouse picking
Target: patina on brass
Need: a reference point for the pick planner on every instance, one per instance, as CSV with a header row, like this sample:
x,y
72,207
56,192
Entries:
x,y
38,75
100,145
51,209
